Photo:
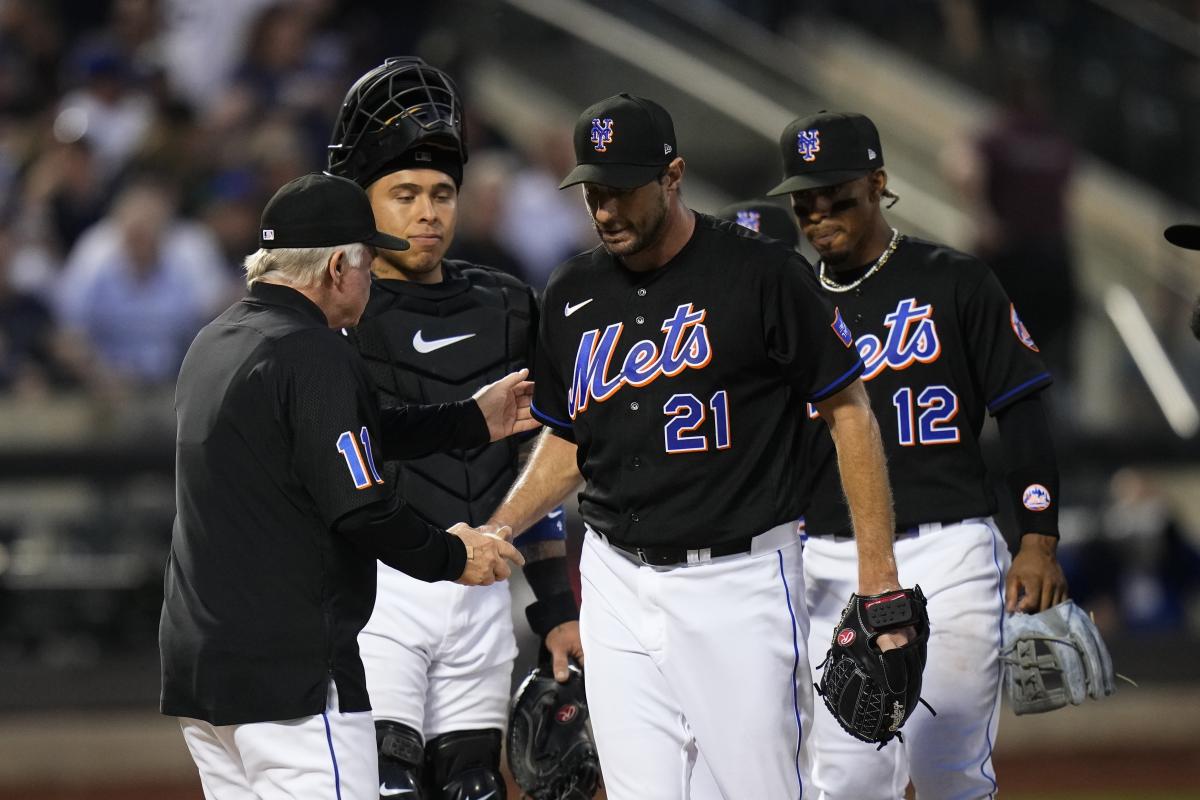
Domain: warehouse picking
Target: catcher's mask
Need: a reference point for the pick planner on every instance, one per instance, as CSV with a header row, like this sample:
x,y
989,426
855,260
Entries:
x,y
551,753
402,114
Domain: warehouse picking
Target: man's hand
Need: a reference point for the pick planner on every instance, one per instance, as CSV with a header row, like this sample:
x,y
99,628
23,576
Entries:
x,y
505,405
563,642
1035,579
488,556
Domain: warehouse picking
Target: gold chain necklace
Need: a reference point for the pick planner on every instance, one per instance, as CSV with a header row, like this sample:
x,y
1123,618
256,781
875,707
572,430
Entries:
x,y
833,286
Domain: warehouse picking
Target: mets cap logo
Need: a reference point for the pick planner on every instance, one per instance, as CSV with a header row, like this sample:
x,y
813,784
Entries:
x,y
1020,330
808,144
602,133
750,219
1036,497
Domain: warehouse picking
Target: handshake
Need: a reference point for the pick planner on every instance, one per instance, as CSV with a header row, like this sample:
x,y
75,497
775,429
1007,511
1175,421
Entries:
x,y
488,552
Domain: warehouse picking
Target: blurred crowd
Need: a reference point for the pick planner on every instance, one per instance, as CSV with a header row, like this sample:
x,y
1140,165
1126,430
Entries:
x,y
1123,76
139,140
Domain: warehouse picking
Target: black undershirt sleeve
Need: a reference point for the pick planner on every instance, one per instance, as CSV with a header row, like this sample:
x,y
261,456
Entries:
x,y
1030,462
414,431
396,535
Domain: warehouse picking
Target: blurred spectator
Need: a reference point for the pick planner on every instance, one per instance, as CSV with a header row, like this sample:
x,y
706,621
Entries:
x,y
65,193
480,214
26,333
231,211
1017,173
30,43
108,109
204,43
1142,566
138,286
543,226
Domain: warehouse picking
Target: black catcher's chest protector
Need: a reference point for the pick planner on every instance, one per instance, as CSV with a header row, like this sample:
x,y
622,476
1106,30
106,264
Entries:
x,y
438,343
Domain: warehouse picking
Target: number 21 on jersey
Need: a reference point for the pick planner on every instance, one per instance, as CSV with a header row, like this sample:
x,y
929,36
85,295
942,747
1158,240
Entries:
x,y
360,461
928,420
687,413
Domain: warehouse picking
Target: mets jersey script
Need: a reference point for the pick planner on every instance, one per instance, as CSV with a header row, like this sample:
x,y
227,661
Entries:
x,y
941,344
684,386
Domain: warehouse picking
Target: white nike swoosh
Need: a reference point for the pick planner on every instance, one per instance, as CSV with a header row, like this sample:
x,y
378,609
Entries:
x,y
422,345
555,513
569,309
387,791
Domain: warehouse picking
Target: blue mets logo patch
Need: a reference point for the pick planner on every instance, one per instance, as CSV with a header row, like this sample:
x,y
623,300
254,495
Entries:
x,y
1036,497
808,144
841,328
1020,330
602,133
750,219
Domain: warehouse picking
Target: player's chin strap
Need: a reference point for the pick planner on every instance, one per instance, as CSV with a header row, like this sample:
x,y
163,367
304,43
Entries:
x,y
899,734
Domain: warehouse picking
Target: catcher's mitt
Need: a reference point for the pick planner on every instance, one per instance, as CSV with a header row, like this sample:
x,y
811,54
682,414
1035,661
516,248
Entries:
x,y
872,693
551,752
1054,658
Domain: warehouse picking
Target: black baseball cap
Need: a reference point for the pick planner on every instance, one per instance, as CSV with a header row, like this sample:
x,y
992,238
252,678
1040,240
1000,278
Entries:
x,y
623,142
321,210
1183,235
765,218
827,148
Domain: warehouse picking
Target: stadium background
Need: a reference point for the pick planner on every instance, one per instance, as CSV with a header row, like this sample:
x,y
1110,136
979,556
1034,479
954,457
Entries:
x,y
141,137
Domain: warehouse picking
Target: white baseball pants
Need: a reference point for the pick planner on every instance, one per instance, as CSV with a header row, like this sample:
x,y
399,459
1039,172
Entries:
x,y
697,677
960,568
439,656
330,756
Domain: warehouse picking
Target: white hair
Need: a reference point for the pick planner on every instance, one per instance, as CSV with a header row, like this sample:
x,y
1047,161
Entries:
x,y
301,267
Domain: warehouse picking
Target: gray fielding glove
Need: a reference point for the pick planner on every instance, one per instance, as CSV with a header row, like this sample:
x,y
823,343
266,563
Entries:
x,y
1054,658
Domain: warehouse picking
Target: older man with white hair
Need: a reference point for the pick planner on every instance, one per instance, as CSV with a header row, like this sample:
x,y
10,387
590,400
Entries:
x,y
282,511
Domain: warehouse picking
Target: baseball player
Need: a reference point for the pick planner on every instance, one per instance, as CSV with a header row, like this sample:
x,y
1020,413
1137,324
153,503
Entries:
x,y
765,218
942,345
282,511
438,657
672,368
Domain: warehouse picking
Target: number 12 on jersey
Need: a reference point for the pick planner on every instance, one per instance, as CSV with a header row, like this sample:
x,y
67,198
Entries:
x,y
359,461
687,413
938,407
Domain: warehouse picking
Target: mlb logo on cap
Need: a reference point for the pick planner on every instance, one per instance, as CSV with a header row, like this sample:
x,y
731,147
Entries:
x,y
268,235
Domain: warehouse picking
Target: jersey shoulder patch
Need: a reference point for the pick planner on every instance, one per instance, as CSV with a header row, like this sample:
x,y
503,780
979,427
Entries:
x,y
1020,330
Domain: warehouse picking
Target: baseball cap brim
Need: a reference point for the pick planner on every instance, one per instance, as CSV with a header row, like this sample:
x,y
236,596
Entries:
x,y
816,180
1183,235
387,242
616,176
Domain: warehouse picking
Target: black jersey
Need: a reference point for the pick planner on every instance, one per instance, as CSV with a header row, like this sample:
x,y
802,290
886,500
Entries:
x,y
435,343
277,428
943,345
684,386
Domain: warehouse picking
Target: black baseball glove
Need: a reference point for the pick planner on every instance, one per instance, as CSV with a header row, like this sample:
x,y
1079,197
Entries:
x,y
872,693
551,752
